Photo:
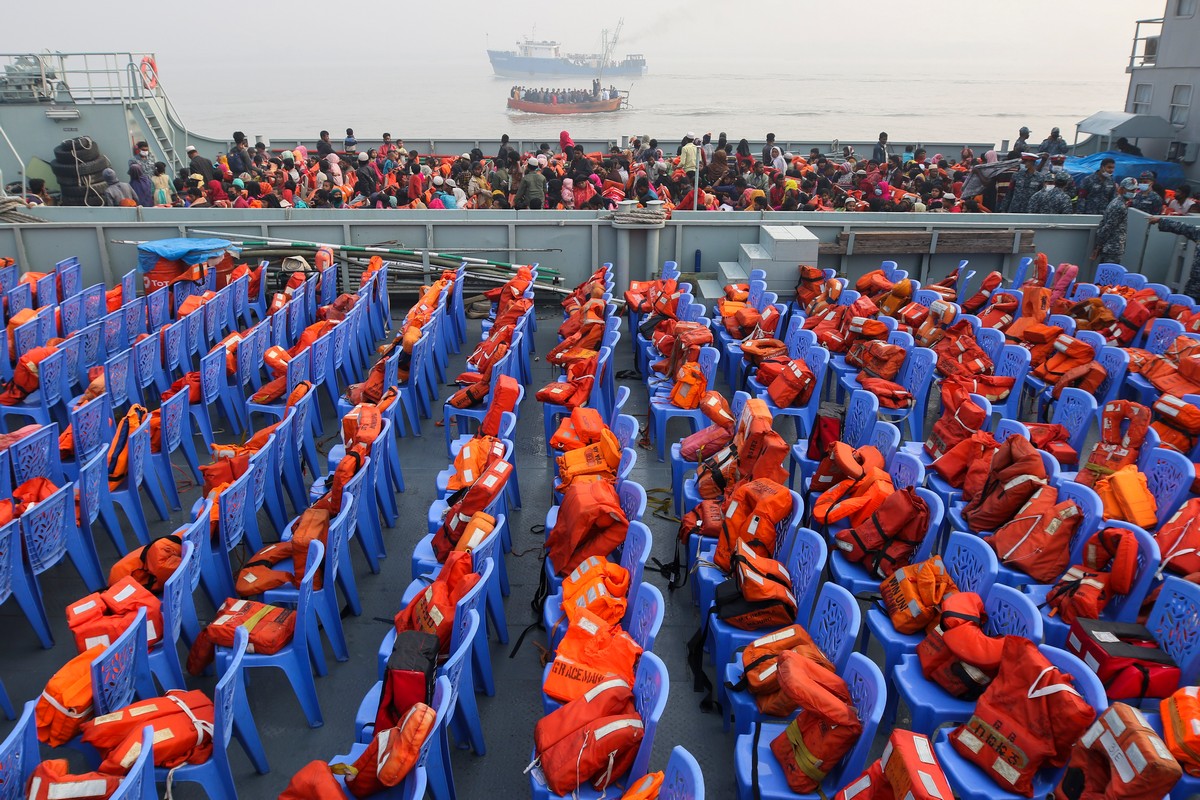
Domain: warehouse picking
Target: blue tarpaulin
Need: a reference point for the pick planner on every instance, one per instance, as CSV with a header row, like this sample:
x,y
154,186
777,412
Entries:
x,y
1169,173
189,251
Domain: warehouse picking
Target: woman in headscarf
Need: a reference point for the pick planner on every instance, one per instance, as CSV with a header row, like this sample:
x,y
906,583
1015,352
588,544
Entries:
x,y
143,189
714,173
566,143
777,160
568,194
334,169
216,194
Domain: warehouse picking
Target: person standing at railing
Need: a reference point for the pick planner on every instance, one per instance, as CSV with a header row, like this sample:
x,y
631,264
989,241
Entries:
x,y
200,165
1188,231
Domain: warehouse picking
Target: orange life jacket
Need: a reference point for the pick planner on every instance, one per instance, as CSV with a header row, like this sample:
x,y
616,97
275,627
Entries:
x,y
362,425
808,288
391,755
270,628
466,503
118,449
472,461
432,611
690,385
101,617
1127,496
888,539
1029,717
1180,712
853,500
1120,757
826,729
1117,447
760,449
599,586
183,731
600,459
590,523
793,386
912,595
1177,422
25,380
576,389
956,653
983,294
53,780
1037,541
67,700
582,427
150,565
845,462
591,739
753,511
961,417
504,398
760,667
758,593
1016,471
257,576
591,652
1179,540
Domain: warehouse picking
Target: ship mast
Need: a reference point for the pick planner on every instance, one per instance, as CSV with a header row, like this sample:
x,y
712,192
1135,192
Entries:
x,y
609,44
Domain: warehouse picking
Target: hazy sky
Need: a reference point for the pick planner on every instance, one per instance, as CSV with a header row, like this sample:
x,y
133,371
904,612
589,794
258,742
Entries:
x,y
974,37
952,69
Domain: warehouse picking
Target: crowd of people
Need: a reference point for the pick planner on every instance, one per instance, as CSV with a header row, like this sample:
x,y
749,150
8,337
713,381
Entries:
x,y
563,96
698,172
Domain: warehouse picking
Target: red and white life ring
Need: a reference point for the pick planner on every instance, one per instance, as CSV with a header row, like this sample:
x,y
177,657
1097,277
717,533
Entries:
x,y
149,72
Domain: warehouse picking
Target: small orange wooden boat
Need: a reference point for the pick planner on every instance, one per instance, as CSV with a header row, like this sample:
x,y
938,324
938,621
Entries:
x,y
594,107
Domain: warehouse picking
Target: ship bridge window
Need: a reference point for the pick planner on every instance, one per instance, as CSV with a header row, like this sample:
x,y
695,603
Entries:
x,y
1143,93
1181,104
1185,8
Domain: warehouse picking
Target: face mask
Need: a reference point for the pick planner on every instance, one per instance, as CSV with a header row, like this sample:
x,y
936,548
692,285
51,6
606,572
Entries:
x,y
1143,187
145,152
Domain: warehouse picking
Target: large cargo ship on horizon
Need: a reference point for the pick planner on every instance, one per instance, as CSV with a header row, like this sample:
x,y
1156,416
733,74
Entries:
x,y
546,57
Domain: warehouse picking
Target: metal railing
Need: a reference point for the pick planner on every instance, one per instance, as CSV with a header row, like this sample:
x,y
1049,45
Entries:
x,y
1144,50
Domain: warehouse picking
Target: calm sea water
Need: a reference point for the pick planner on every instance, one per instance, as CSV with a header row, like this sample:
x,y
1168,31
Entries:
x,y
470,103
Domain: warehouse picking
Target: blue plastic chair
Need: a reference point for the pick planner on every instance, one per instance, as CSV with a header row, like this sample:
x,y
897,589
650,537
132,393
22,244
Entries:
x,y
112,327
970,783
140,477
231,714
217,578
17,581
1169,476
93,302
650,688
905,468
120,674
295,657
834,627
429,758
324,600
20,297
858,426
44,405
804,562
197,533
175,434
662,411
163,658
1012,361
990,340
634,554
1173,621
972,564
869,693
49,533
70,276
71,316
1010,613
1122,608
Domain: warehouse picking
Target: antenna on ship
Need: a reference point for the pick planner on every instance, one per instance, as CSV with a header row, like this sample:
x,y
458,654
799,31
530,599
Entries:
x,y
608,46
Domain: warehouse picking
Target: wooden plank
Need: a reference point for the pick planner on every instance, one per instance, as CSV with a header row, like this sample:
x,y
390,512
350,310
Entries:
x,y
920,242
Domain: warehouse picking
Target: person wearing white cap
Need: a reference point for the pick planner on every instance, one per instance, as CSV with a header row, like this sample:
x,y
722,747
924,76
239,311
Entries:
x,y
200,164
1110,234
367,176
460,196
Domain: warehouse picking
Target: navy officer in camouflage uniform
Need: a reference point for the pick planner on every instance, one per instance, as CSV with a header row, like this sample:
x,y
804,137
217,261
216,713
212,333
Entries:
x,y
1055,145
1147,200
1188,231
1098,189
1025,184
1054,198
1110,235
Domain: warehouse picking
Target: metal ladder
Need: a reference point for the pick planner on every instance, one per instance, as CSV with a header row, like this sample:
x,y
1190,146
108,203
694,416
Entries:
x,y
149,115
